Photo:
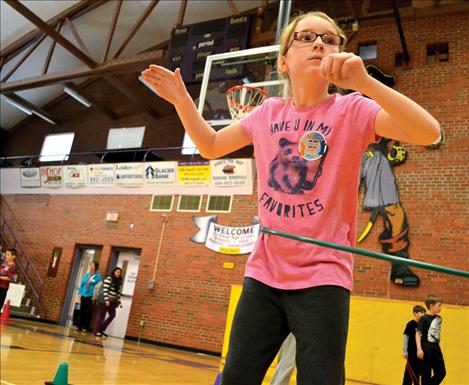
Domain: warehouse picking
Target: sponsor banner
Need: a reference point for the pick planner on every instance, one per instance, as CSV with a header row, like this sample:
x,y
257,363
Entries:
x,y
129,174
160,173
229,172
194,174
101,175
30,177
74,176
224,239
51,176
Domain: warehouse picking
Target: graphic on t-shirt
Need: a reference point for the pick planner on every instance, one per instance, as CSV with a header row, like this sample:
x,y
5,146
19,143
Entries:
x,y
312,146
290,172
434,331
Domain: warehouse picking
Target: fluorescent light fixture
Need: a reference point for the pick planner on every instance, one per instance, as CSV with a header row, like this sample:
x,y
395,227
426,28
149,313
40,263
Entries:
x,y
77,97
26,110
147,85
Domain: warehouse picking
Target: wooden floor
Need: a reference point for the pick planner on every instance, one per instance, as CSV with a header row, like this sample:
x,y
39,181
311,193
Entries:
x,y
31,353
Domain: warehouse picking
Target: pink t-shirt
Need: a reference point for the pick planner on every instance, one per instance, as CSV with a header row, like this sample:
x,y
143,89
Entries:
x,y
308,163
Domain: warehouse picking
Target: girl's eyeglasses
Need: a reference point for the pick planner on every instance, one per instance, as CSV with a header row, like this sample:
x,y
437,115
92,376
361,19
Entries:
x,y
308,37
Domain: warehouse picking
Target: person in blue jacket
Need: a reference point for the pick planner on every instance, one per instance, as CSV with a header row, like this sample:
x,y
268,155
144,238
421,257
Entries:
x,y
85,292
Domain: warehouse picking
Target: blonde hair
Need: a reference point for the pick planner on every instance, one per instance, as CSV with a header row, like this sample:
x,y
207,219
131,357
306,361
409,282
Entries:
x,y
287,33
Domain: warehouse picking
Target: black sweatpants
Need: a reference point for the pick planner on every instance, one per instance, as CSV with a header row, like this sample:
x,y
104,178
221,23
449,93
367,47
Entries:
x,y
318,318
86,308
432,361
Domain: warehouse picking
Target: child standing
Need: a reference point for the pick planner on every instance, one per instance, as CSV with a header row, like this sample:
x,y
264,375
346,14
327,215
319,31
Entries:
x,y
108,302
413,367
7,273
428,343
308,150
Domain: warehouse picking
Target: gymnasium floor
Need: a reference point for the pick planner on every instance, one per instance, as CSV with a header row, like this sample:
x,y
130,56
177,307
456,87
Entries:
x,y
31,353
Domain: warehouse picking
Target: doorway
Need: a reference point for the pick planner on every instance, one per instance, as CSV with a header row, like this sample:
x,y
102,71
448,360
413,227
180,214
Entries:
x,y
128,260
84,254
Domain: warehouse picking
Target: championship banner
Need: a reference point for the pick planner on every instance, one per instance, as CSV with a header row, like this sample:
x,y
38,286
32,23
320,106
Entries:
x,y
74,176
101,175
224,239
51,176
229,172
194,174
160,173
30,177
129,174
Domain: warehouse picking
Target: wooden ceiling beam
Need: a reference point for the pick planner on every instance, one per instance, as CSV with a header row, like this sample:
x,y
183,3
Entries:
x,y
51,51
95,104
133,96
24,42
181,13
112,28
23,58
35,109
33,18
134,63
77,37
136,27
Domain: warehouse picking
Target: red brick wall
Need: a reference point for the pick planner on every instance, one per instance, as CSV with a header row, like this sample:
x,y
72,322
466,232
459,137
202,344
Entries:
x,y
188,306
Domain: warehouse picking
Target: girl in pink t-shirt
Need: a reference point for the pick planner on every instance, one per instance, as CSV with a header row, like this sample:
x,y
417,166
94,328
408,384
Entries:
x,y
308,150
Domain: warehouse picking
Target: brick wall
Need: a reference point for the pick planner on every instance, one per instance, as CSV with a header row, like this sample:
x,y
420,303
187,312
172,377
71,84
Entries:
x,y
188,306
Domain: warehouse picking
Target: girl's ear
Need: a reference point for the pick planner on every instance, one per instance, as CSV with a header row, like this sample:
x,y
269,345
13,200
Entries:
x,y
283,65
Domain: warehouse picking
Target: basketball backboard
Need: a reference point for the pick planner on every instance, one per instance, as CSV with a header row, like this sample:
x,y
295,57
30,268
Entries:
x,y
256,67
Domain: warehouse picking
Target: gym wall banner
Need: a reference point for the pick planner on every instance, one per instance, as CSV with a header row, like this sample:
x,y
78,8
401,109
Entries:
x,y
160,173
194,174
225,239
101,175
51,176
129,174
30,177
229,172
74,176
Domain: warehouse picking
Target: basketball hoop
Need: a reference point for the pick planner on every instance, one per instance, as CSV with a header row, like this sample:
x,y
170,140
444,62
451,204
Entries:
x,y
243,99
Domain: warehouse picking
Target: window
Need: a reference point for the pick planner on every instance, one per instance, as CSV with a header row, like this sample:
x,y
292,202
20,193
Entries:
x,y
368,51
437,52
56,147
162,203
219,204
190,203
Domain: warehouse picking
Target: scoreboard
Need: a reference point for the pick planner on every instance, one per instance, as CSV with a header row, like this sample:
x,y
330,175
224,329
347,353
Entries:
x,y
191,44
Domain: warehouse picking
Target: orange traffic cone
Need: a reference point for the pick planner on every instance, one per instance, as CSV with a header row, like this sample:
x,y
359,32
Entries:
x,y
5,317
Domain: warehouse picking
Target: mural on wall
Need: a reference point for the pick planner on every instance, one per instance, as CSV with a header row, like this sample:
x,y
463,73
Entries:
x,y
382,198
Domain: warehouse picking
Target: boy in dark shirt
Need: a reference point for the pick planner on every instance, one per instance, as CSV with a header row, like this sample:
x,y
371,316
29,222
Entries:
x,y
427,339
413,368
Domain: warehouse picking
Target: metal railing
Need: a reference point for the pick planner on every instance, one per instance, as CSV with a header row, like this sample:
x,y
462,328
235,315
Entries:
x,y
26,268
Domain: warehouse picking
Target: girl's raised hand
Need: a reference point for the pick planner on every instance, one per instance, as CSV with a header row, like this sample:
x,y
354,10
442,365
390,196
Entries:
x,y
345,70
167,84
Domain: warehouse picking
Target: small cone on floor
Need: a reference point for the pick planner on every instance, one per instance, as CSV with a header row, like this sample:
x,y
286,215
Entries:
x,y
5,317
61,377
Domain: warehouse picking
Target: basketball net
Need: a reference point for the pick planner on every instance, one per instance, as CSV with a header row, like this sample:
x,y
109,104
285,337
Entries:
x,y
243,99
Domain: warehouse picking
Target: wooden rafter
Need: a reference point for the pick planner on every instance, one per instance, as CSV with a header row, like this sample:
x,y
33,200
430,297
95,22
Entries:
x,y
136,27
181,13
233,8
127,91
77,36
116,83
24,42
51,51
352,8
33,18
23,58
31,106
95,104
130,64
111,30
